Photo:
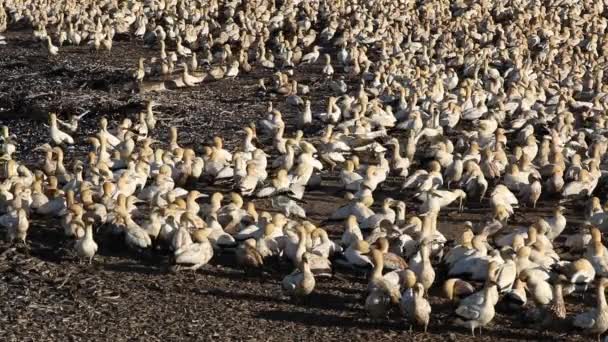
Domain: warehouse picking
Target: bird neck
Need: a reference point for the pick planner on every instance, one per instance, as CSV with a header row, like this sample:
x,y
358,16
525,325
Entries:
x,y
88,234
424,253
305,268
486,294
378,266
301,245
397,153
428,224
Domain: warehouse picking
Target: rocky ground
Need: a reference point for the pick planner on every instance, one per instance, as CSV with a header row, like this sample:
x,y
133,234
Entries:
x,y
48,295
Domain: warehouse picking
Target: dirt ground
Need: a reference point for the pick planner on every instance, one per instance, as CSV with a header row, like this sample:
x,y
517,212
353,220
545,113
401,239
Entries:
x,y
48,295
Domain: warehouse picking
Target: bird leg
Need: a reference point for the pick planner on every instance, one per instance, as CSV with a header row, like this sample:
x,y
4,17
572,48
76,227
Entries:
x,y
26,246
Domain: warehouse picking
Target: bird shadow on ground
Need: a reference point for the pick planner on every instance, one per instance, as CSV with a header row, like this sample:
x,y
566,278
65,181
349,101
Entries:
x,y
231,273
241,296
132,266
343,289
47,243
331,301
320,301
325,320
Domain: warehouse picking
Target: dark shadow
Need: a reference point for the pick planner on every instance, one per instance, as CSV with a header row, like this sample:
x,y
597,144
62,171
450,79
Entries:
x,y
238,295
324,301
132,267
324,320
235,274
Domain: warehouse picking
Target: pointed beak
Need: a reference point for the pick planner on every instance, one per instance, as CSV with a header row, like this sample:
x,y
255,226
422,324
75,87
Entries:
x,y
436,194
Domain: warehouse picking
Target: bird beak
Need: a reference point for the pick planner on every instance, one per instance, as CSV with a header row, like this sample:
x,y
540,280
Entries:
x,y
435,194
409,226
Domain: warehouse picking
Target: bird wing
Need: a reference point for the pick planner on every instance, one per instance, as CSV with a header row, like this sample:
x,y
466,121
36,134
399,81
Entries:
x,y
357,259
372,221
518,297
362,212
297,190
585,320
296,210
504,196
572,189
342,212
392,278
469,312
248,185
335,156
138,238
317,164
266,192
506,276
179,192
350,177
583,276
291,280
415,179
195,253
225,172
462,287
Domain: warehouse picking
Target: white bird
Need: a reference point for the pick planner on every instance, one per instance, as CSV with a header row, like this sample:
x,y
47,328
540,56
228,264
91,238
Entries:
x,y
300,282
478,313
418,309
57,136
557,223
311,57
52,49
18,226
356,254
595,321
86,247
437,199
196,254
352,232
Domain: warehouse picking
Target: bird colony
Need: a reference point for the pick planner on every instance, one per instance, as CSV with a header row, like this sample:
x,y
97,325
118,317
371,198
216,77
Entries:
x,y
417,111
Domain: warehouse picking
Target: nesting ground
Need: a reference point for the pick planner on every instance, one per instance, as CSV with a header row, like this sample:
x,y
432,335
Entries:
x,y
47,295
